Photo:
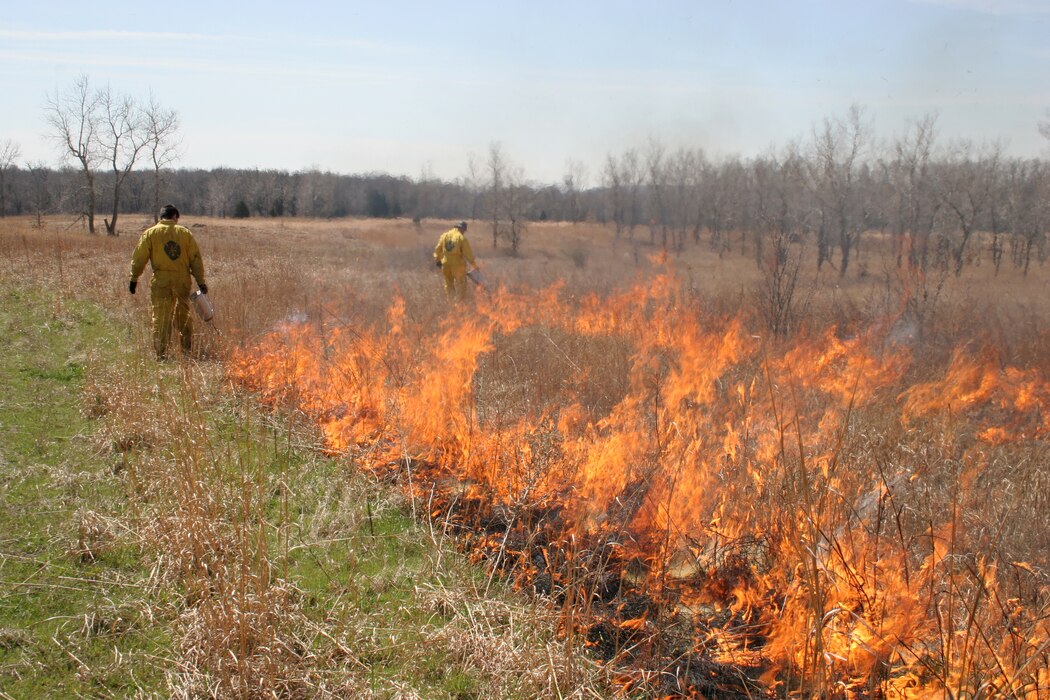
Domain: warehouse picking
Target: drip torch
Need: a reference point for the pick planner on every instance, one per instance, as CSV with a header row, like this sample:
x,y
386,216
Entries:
x,y
202,305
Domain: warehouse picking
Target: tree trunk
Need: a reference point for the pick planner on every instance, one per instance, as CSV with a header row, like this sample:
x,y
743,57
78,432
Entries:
x,y
156,195
91,200
111,226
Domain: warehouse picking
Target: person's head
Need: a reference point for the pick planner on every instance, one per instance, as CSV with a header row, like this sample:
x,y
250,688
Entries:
x,y
462,226
168,211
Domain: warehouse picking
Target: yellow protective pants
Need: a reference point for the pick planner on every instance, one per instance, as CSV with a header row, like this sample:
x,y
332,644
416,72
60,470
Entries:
x,y
171,304
455,281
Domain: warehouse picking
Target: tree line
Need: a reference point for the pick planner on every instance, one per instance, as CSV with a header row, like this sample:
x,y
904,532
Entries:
x,y
931,201
936,203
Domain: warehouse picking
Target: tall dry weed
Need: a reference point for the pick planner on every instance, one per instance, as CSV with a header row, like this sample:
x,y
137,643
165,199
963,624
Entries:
x,y
898,548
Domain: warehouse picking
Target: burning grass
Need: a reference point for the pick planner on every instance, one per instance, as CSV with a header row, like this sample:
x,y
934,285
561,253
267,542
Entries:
x,y
811,504
259,568
844,512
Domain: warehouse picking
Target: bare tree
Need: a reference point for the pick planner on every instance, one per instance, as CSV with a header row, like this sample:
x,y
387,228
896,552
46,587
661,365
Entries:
x,y
633,178
777,294
123,137
779,207
9,153
780,217
914,205
627,176
762,204
473,182
74,120
222,185
722,193
425,187
497,168
509,199
572,182
687,170
267,192
656,181
516,202
965,187
838,151
613,182
40,174
674,193
998,208
162,141
1028,209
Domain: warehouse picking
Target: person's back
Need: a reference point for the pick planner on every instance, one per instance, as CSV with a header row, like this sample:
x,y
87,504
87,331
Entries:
x,y
452,254
171,251
173,254
455,249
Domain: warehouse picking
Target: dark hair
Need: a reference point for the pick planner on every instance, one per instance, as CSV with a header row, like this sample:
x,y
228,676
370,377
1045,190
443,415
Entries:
x,y
168,211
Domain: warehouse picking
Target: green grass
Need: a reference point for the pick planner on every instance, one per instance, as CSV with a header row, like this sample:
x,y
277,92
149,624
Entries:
x,y
75,618
91,604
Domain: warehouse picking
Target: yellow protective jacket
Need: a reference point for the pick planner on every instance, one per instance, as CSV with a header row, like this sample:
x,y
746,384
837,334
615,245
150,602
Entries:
x,y
453,251
172,252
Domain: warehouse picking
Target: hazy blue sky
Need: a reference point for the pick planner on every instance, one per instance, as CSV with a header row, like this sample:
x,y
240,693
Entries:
x,y
396,86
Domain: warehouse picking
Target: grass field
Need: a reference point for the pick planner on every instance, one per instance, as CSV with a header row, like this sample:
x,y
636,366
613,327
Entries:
x,y
163,536
845,509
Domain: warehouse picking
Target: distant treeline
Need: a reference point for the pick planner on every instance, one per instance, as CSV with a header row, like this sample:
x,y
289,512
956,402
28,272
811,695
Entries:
x,y
227,192
940,206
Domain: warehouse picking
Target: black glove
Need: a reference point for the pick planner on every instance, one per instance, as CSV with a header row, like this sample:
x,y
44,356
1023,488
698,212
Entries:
x,y
131,285
203,288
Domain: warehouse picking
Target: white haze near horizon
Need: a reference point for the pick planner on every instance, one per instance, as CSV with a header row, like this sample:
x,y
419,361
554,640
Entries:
x,y
412,87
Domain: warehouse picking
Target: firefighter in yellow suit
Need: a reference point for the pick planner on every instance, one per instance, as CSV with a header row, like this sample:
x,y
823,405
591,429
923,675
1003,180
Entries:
x,y
173,254
452,253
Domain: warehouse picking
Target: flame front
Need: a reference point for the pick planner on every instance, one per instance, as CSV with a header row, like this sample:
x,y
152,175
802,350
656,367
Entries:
x,y
765,485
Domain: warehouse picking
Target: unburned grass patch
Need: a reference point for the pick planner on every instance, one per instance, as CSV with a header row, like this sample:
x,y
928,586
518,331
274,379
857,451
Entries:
x,y
74,613
532,370
164,537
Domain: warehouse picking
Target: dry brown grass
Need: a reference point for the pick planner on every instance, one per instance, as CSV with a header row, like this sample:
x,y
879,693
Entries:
x,y
206,504
878,479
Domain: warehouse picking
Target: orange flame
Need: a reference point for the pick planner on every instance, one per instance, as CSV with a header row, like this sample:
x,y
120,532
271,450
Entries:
x,y
723,449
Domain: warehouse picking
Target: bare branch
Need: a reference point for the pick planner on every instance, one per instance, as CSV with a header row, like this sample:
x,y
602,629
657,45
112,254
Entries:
x,y
124,137
74,121
9,153
163,141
